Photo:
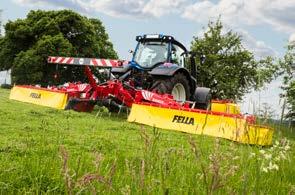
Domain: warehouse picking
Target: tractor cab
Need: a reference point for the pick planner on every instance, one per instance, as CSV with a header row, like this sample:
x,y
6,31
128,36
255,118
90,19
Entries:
x,y
158,64
154,50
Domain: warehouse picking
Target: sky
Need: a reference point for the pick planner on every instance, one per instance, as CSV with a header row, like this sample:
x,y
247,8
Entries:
x,y
266,26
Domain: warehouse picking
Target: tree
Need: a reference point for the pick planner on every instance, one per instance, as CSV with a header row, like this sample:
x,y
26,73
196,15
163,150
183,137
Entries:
x,y
28,42
1,22
290,94
230,70
287,64
266,112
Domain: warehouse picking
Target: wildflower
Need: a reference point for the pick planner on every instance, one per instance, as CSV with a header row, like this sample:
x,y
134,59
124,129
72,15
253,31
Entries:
x,y
277,158
267,156
287,147
272,166
276,167
282,155
264,169
262,151
236,158
211,157
252,154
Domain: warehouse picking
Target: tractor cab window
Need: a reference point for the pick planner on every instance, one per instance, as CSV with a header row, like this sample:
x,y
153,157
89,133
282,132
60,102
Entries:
x,y
150,53
176,55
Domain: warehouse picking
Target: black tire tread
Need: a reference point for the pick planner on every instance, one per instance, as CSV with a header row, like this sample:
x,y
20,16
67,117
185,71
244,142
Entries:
x,y
165,84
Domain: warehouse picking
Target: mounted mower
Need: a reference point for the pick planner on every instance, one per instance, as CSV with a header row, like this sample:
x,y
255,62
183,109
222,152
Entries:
x,y
157,87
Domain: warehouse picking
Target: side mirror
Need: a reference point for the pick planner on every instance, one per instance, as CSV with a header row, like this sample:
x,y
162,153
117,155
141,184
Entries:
x,y
138,38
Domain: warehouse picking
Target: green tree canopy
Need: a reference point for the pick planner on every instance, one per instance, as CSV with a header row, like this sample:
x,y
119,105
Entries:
x,y
1,22
230,70
290,94
288,70
28,42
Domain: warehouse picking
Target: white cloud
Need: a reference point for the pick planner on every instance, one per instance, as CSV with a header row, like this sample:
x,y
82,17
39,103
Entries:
x,y
292,39
234,14
277,13
119,8
66,4
158,8
259,48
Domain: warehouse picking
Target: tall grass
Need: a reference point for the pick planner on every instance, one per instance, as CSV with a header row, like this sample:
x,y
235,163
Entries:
x,y
63,152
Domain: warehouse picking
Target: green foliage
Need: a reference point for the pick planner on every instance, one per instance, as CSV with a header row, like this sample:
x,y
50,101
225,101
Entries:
x,y
28,42
1,23
230,70
287,64
290,94
47,151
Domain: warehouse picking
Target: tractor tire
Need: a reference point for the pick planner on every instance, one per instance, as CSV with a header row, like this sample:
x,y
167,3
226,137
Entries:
x,y
177,85
202,98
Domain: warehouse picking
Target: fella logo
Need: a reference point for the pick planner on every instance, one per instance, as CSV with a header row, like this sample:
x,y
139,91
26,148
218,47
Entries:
x,y
35,95
183,119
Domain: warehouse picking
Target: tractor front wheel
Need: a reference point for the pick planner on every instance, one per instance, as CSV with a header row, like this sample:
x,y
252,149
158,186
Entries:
x,y
177,85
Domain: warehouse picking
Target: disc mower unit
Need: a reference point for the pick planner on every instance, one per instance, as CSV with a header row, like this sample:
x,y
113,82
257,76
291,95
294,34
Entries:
x,y
235,127
157,87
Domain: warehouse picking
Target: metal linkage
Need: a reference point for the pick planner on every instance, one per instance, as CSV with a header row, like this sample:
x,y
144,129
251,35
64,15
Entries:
x,y
105,63
113,90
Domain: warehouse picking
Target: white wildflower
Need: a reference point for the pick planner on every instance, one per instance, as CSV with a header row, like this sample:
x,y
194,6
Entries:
x,y
252,154
275,167
272,166
282,155
264,169
236,158
277,158
287,147
267,156
262,151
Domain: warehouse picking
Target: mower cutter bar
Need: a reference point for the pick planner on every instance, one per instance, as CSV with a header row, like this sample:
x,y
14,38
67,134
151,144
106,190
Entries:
x,y
105,63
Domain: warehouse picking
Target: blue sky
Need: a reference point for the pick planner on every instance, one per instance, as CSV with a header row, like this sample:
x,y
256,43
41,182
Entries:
x,y
266,26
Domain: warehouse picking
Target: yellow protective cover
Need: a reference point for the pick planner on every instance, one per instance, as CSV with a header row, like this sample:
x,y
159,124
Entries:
x,y
229,108
229,127
40,96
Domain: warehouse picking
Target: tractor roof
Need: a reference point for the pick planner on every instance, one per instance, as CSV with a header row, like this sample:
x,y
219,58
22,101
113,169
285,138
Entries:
x,y
159,37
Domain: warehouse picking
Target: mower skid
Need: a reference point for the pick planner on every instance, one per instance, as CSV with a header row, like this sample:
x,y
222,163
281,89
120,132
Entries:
x,y
193,121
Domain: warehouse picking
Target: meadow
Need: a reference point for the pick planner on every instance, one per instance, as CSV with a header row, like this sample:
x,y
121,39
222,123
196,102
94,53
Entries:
x,y
48,151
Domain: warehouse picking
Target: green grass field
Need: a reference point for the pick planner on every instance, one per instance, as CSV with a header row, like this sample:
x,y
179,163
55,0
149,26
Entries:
x,y
44,150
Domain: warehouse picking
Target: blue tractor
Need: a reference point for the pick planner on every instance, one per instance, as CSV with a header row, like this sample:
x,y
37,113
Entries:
x,y
163,65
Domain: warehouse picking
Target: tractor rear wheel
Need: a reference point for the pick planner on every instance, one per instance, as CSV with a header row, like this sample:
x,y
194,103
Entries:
x,y
177,85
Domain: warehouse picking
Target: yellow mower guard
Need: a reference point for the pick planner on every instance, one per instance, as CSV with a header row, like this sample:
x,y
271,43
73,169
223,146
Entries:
x,y
39,96
216,125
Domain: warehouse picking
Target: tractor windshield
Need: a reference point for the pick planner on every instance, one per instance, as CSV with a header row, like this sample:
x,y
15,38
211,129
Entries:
x,y
150,53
